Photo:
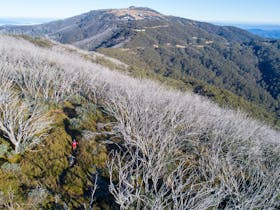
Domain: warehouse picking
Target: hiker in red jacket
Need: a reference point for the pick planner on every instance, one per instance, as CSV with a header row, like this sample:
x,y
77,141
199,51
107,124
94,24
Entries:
x,y
74,145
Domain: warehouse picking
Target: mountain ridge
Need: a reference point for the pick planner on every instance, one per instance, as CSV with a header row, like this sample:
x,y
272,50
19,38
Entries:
x,y
117,16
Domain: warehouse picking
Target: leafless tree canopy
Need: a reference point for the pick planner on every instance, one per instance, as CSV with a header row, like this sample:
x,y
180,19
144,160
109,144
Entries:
x,y
179,150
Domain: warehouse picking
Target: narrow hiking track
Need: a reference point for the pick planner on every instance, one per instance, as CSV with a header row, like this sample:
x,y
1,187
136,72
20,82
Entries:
x,y
101,133
75,134
155,27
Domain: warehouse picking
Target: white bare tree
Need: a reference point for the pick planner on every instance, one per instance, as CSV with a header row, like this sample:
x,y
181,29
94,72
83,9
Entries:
x,y
165,130
6,90
35,197
22,123
129,183
93,191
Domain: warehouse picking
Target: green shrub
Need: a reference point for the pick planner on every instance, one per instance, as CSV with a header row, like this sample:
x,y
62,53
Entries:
x,y
10,167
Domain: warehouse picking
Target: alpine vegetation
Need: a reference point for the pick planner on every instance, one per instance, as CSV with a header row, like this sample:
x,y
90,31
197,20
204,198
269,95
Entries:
x,y
166,149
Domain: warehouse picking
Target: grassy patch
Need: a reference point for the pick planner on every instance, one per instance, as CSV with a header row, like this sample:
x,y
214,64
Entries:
x,y
40,42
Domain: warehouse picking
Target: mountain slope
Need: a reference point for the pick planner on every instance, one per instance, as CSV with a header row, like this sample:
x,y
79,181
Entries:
x,y
95,26
137,139
225,57
88,31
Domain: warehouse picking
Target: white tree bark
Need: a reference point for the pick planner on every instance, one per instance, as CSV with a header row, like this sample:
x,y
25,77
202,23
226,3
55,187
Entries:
x,y
23,124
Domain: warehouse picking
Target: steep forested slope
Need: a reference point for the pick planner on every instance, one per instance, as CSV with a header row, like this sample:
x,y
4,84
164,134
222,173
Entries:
x,y
141,145
225,57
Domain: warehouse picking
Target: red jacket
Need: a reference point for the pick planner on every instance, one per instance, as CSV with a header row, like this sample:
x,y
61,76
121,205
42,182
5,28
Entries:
x,y
74,144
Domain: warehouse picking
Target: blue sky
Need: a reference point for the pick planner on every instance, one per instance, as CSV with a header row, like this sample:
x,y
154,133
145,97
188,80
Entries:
x,y
243,11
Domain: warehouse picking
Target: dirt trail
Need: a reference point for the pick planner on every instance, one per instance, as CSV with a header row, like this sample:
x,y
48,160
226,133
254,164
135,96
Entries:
x,y
159,26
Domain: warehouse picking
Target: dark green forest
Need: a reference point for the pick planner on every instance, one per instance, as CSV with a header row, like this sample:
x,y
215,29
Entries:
x,y
213,66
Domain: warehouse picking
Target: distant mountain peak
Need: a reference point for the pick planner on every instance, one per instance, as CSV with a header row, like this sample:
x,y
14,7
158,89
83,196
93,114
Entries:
x,y
136,13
